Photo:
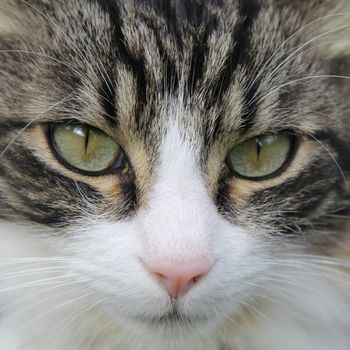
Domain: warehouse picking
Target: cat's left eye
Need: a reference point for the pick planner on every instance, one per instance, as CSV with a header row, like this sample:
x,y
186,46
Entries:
x,y
262,156
85,149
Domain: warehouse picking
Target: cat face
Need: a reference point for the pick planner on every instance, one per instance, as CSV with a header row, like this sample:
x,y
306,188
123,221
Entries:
x,y
174,151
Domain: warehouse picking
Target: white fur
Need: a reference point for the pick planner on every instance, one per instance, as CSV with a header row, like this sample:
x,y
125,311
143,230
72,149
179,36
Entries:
x,y
106,299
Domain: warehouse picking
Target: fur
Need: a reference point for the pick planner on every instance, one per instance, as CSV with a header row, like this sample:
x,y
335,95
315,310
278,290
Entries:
x,y
178,84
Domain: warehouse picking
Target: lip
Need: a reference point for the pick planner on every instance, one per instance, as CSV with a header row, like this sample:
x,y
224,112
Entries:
x,y
173,317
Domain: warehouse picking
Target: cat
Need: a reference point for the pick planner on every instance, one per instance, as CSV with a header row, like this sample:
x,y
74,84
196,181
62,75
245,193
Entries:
x,y
174,175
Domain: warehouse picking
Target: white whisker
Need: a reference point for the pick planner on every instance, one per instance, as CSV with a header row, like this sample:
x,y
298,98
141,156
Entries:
x,y
71,319
312,77
332,156
38,283
267,63
299,48
58,307
42,291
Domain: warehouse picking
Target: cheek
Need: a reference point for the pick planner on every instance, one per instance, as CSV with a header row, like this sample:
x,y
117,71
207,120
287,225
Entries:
x,y
105,243
240,253
107,256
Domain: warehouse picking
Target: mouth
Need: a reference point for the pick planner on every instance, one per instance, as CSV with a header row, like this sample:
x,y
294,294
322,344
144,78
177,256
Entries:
x,y
174,318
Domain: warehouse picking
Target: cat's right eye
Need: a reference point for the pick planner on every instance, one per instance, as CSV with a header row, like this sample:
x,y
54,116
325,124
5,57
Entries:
x,y
85,149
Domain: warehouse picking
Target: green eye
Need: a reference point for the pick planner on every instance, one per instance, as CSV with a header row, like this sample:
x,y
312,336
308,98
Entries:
x,y
85,148
260,156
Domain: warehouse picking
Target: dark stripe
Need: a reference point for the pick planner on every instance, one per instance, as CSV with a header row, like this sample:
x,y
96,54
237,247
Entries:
x,y
138,69
107,99
341,146
212,133
130,199
172,12
10,127
129,190
171,77
305,192
125,57
44,215
240,54
223,201
111,9
250,106
199,54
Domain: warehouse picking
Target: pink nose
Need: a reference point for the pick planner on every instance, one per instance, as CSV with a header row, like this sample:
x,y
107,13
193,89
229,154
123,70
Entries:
x,y
177,279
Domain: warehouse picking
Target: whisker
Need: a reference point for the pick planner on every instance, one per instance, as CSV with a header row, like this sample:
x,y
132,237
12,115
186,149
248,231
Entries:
x,y
320,259
78,74
267,63
58,307
332,156
35,261
14,274
282,278
321,76
287,59
81,312
82,56
99,65
37,283
28,297
323,271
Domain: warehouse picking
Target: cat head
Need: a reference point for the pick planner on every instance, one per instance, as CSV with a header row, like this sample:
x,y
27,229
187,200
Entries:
x,y
175,150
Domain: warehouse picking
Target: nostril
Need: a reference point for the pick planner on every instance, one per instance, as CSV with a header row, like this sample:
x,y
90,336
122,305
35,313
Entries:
x,y
195,279
159,275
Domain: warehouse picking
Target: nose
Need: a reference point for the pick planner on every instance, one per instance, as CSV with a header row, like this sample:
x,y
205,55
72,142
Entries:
x,y
177,278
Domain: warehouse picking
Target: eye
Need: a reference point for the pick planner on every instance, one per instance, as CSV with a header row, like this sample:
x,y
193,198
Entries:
x,y
261,156
85,149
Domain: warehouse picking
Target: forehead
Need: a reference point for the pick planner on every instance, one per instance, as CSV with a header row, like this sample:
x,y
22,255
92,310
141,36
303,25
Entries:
x,y
214,66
